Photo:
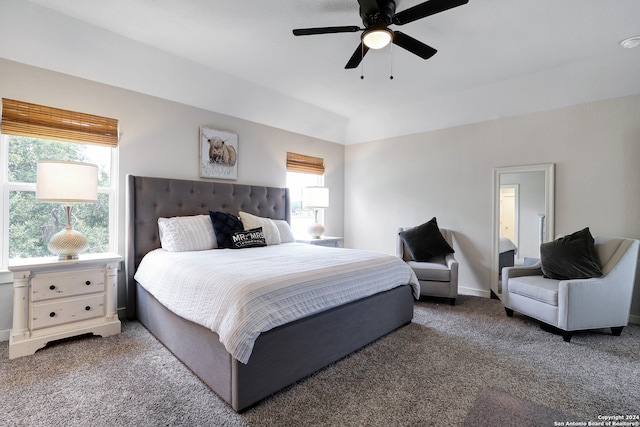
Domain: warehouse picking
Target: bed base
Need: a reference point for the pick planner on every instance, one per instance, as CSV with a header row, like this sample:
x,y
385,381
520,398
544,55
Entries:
x,y
282,355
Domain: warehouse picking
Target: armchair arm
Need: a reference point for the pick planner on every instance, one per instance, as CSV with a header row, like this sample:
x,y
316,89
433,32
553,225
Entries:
x,y
522,270
452,264
400,245
450,260
602,302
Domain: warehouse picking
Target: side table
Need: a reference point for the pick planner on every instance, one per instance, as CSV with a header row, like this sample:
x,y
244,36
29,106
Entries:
x,y
55,299
334,242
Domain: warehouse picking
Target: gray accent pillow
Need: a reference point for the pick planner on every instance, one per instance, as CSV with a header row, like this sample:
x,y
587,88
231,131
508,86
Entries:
x,y
426,241
571,257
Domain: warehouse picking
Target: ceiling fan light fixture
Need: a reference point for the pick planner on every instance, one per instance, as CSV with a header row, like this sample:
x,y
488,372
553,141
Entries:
x,y
377,38
631,42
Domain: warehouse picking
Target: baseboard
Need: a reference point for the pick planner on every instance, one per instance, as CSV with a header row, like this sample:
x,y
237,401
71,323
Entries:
x,y
475,292
4,335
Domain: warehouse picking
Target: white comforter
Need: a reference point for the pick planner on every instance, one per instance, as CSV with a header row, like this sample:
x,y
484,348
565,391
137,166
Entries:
x,y
239,293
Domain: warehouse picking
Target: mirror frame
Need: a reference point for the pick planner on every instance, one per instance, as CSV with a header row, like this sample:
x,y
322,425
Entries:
x,y
549,201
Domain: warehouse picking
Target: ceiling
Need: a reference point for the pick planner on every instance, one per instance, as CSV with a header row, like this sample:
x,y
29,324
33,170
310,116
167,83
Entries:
x,y
495,58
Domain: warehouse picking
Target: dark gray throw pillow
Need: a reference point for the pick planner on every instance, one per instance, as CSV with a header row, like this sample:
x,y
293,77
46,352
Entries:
x,y
570,257
426,241
253,238
224,224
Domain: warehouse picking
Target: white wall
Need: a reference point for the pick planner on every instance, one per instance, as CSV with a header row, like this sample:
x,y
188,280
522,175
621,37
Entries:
x,y
161,138
390,183
447,173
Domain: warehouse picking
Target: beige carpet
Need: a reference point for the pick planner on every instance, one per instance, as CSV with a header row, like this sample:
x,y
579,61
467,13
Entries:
x,y
497,408
438,371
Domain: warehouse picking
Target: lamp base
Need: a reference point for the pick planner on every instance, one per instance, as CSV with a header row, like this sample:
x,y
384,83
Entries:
x,y
316,230
68,243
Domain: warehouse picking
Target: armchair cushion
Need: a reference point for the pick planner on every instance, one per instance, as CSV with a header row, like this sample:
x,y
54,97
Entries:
x,y
436,270
536,287
425,241
571,257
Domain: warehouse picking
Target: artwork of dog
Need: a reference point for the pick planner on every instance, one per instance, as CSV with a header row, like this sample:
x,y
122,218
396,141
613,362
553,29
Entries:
x,y
221,153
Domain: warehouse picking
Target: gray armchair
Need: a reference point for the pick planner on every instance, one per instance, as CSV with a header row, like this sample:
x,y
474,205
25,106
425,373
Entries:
x,y
439,276
577,304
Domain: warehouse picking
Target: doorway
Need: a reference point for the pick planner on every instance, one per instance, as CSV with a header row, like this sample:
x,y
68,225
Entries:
x,y
509,202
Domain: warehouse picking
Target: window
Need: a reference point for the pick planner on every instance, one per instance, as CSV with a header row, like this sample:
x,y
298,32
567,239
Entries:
x,y
302,218
303,171
28,225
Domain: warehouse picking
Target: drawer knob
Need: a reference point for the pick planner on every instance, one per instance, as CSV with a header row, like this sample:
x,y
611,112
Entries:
x,y
52,287
88,282
87,308
52,314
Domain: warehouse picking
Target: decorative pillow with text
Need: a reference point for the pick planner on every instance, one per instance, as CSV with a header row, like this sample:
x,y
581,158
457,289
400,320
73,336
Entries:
x,y
253,238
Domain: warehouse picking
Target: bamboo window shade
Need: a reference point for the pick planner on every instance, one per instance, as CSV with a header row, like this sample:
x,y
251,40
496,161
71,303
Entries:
x,y
25,119
306,164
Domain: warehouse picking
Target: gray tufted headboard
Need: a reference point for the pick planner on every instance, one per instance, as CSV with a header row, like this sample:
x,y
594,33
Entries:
x,y
151,198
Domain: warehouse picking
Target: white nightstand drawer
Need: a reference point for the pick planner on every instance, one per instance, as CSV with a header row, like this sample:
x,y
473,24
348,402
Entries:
x,y
64,311
61,285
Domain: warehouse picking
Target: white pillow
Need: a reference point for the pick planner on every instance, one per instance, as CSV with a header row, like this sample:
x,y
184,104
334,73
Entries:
x,y
286,235
269,228
187,233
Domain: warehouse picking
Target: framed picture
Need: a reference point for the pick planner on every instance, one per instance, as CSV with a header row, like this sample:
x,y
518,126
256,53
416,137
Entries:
x,y
218,154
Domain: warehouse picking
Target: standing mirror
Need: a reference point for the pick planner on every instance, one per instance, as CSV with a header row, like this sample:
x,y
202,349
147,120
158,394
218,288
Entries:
x,y
523,216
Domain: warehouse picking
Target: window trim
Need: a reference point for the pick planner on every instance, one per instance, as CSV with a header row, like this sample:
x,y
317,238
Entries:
x,y
7,187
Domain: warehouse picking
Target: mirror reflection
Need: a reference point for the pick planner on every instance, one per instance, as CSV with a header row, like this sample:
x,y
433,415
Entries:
x,y
523,217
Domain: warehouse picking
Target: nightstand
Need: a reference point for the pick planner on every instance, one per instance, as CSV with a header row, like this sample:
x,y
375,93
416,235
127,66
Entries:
x,y
333,242
55,299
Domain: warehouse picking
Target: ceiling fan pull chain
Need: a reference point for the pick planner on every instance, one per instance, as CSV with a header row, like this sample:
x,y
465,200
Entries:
x,y
361,61
391,65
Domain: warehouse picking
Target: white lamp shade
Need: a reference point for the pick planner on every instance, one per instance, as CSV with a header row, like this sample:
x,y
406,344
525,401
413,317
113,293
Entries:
x,y
62,181
315,197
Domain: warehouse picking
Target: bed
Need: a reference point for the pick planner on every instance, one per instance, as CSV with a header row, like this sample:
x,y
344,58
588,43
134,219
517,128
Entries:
x,y
279,356
508,252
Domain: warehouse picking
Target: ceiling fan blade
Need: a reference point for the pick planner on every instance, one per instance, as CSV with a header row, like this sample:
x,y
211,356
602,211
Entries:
x,y
325,30
357,56
412,45
430,7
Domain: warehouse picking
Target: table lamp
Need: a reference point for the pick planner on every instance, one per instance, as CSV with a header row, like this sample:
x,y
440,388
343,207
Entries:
x,y
315,198
67,182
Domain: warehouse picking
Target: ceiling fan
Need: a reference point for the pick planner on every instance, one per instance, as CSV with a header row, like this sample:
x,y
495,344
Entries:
x,y
376,16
